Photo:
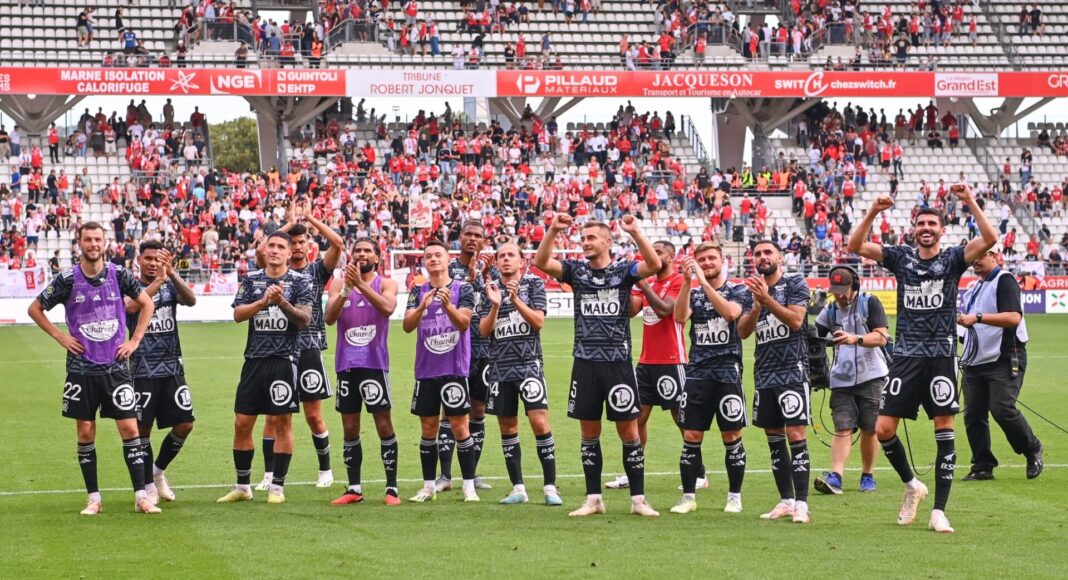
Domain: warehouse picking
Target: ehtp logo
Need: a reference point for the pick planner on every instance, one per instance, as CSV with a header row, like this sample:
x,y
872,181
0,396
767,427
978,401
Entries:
x,y
184,83
528,84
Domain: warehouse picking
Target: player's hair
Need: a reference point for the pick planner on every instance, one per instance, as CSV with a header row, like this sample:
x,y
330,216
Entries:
x,y
706,246
598,225
771,243
298,230
150,245
472,224
90,226
438,243
510,243
282,235
668,245
369,242
930,211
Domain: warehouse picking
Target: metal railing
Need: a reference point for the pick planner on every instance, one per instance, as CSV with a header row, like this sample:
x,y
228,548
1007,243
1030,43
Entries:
x,y
350,30
1000,32
689,129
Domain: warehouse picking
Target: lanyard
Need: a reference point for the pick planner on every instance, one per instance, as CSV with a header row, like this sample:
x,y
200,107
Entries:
x,y
975,291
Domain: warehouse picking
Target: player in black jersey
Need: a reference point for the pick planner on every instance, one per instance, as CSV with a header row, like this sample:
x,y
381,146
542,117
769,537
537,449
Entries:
x,y
277,303
159,375
512,318
311,376
98,374
781,407
602,373
924,369
713,388
475,268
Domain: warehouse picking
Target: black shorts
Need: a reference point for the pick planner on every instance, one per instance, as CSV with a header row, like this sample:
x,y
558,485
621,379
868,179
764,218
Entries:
x,y
448,394
783,406
358,387
596,383
704,399
857,407
113,393
478,382
165,400
914,381
504,396
314,385
267,387
660,385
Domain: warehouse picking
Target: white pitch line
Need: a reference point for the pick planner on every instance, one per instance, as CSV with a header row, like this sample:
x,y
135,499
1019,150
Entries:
x,y
402,480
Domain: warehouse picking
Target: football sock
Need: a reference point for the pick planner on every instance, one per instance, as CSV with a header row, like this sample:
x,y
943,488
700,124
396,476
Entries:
x,y
478,435
780,453
945,463
445,447
465,452
800,473
87,462
634,466
243,465
135,462
322,449
592,464
281,468
689,466
547,456
389,459
734,458
146,454
895,454
353,457
428,452
268,454
172,444
513,457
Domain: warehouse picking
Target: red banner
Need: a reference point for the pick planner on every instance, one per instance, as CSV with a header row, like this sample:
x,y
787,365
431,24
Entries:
x,y
507,83
172,81
682,83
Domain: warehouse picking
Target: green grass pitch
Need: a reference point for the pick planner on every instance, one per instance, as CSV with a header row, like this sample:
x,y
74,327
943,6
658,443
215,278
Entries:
x,y
1010,526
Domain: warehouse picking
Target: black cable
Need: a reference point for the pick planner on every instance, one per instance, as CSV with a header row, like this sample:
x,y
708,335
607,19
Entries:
x,y
1039,415
908,443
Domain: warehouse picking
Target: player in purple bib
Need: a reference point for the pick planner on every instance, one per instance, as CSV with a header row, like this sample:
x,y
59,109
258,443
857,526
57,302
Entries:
x,y
98,353
441,310
360,305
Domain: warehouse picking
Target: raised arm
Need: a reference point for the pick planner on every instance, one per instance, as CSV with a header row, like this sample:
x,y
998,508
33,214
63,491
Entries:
x,y
988,236
544,259
333,254
858,240
650,263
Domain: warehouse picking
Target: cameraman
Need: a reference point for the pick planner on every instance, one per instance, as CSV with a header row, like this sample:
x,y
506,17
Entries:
x,y
856,325
995,358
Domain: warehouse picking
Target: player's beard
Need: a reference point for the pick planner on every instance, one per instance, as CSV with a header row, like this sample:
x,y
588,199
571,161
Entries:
x,y
368,267
769,269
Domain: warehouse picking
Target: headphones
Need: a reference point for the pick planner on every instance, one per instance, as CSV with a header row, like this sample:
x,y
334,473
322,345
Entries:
x,y
851,270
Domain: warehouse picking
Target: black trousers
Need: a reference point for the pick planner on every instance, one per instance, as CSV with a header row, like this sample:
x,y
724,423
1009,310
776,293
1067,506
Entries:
x,y
991,389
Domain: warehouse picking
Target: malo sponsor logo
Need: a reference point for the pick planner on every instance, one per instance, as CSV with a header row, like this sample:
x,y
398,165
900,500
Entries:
x,y
712,333
510,328
601,303
927,296
270,320
162,320
771,329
